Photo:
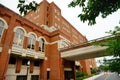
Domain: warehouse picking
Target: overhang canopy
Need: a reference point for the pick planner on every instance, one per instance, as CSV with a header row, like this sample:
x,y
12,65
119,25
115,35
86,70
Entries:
x,y
84,53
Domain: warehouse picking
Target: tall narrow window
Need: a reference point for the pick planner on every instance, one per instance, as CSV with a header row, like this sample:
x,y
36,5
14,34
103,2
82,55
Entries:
x,y
19,37
41,45
2,24
47,8
31,41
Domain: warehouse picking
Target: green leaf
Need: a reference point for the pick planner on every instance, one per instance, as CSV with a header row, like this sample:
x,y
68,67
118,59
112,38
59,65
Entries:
x,y
22,1
24,8
93,8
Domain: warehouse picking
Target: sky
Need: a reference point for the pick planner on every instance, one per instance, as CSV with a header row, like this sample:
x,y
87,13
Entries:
x,y
91,32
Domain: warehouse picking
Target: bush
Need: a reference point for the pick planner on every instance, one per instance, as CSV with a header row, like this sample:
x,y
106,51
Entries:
x,y
93,71
80,74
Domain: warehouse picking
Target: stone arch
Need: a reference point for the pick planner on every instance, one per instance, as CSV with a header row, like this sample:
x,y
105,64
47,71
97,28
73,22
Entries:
x,y
17,27
33,34
6,25
43,38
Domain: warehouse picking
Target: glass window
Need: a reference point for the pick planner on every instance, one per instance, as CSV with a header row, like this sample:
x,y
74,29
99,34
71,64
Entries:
x,y
2,24
41,45
31,41
21,77
19,37
34,77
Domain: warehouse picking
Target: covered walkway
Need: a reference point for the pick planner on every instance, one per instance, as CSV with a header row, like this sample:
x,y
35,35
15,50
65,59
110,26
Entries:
x,y
85,50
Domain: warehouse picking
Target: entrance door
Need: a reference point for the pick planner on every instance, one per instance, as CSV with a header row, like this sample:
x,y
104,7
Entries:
x,y
21,77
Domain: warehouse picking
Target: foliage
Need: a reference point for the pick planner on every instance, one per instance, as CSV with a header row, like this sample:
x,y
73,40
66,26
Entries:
x,y
94,71
93,8
113,45
104,68
80,74
114,65
24,8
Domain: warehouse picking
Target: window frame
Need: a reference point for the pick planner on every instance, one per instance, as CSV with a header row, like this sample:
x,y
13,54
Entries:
x,y
4,27
32,41
17,43
41,44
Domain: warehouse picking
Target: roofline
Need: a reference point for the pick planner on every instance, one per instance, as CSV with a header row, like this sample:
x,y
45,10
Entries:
x,y
47,33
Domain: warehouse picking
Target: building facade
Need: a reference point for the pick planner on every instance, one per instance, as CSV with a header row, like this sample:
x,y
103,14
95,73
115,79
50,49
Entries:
x,y
30,45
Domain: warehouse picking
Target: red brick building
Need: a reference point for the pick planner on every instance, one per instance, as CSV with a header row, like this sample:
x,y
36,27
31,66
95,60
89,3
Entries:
x,y
30,45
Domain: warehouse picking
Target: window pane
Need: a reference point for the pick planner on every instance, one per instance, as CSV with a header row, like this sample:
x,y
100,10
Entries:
x,y
31,41
2,24
15,38
21,77
1,29
41,45
19,37
34,77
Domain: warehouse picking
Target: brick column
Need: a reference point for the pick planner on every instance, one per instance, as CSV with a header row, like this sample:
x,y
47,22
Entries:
x,y
31,66
74,71
36,46
26,42
62,68
43,65
55,64
85,66
18,64
43,70
5,54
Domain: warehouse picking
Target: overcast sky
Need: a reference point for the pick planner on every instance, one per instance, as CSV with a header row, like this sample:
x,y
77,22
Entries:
x,y
91,32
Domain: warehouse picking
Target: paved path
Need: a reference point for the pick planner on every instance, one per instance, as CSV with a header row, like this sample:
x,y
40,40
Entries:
x,y
109,76
94,77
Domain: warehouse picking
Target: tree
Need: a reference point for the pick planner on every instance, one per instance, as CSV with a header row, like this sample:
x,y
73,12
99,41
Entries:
x,y
93,8
114,65
104,65
24,7
113,45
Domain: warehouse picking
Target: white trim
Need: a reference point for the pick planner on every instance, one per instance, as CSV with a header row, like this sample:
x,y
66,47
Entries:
x,y
6,25
27,53
48,69
64,38
40,38
33,34
45,58
67,69
9,51
52,42
0,49
20,28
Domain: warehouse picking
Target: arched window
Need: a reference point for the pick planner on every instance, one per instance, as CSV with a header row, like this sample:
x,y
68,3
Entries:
x,y
19,37
31,41
41,44
2,25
